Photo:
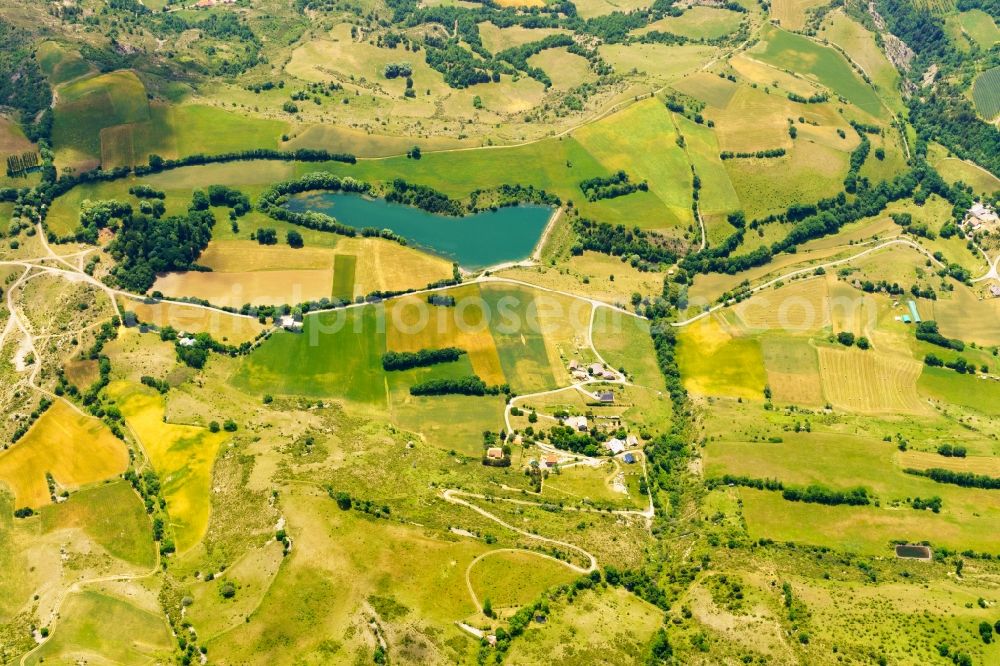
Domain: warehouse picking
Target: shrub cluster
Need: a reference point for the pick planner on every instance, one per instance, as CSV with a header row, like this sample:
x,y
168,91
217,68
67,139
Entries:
x,y
760,154
471,385
964,479
394,360
613,186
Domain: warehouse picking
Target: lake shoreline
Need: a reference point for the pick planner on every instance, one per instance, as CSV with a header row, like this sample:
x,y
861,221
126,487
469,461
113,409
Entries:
x,y
477,242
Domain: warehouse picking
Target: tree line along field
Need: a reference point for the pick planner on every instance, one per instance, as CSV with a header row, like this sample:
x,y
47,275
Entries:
x,y
825,386
512,335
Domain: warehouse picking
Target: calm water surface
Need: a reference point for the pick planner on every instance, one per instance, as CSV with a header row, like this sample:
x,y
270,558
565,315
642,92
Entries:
x,y
474,241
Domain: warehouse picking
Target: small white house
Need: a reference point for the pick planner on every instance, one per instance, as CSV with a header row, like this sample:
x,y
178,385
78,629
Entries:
x,y
615,446
632,441
288,323
578,423
187,342
596,368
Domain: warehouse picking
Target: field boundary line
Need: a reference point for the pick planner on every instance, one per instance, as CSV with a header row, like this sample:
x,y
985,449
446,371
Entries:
x,y
810,269
448,495
483,556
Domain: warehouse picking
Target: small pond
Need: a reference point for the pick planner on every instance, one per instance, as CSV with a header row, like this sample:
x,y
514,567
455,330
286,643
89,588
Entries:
x,y
474,241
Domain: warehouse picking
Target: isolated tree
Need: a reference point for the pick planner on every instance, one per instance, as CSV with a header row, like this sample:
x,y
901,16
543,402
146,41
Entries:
x,y
487,608
845,338
227,590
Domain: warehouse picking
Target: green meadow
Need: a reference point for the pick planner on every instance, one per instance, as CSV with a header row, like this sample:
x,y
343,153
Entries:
x,y
624,342
112,515
344,266
793,52
60,63
969,391
106,629
338,354
91,105
520,345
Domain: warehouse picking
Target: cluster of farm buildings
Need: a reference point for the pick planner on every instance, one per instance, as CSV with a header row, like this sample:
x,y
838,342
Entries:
x,y
582,373
614,446
981,217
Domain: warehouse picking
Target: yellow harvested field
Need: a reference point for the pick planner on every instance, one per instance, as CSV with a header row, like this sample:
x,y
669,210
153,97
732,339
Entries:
x,y
708,88
567,70
236,256
791,14
246,272
75,449
497,39
988,465
763,74
565,324
597,269
714,362
795,388
222,326
182,455
255,288
851,309
870,382
963,315
347,139
413,324
792,367
800,306
388,266
660,61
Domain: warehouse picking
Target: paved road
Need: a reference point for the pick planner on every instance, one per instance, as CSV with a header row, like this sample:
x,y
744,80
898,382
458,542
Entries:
x,y
994,272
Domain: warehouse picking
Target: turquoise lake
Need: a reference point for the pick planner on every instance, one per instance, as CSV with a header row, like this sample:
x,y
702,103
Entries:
x,y
473,241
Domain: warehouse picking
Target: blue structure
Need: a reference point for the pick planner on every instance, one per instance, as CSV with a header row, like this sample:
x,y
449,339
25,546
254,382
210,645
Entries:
x,y
628,458
913,311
